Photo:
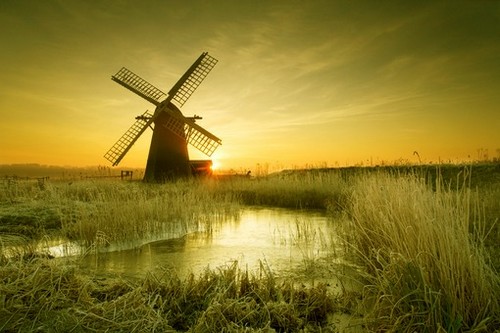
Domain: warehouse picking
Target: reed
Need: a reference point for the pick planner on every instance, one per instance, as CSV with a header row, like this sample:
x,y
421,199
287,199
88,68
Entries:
x,y
115,214
15,246
44,296
301,189
426,269
421,243
109,213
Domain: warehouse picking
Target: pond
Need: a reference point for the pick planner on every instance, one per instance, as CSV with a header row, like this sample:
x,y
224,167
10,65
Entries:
x,y
278,238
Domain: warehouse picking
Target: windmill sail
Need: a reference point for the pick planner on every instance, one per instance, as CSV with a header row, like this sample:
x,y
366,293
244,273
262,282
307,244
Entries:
x,y
168,154
123,145
193,77
139,86
194,134
202,139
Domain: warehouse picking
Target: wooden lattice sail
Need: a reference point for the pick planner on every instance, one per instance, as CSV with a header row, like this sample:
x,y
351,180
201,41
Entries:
x,y
168,153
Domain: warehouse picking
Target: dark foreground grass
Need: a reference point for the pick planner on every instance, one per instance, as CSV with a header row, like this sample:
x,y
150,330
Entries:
x,y
44,296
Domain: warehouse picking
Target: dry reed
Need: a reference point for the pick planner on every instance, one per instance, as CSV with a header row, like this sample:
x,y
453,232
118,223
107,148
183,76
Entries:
x,y
421,246
312,189
426,271
100,214
44,296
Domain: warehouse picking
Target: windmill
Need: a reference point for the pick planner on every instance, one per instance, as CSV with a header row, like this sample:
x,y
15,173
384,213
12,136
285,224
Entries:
x,y
168,154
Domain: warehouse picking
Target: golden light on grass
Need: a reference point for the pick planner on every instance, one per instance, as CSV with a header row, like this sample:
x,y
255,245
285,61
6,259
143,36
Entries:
x,y
424,255
421,246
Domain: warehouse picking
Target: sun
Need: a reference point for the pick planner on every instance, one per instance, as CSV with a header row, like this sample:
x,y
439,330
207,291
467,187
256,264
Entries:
x,y
215,165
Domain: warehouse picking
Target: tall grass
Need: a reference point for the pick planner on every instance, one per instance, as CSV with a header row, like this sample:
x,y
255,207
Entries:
x,y
302,189
426,267
42,296
113,213
421,245
117,213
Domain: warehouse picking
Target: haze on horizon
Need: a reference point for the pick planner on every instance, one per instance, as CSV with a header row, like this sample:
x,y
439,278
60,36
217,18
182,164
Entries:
x,y
298,82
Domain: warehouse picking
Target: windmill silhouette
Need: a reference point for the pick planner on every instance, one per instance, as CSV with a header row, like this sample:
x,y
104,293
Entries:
x,y
168,154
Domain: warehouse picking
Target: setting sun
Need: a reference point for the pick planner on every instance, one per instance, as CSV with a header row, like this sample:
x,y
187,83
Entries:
x,y
243,165
370,83
215,165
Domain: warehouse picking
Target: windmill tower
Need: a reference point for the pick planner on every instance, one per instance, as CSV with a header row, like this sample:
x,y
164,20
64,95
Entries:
x,y
168,154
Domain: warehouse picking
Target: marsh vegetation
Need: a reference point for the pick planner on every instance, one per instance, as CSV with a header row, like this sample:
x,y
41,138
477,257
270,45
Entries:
x,y
422,244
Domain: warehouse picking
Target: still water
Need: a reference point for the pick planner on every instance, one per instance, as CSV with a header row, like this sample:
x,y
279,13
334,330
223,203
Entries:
x,y
279,238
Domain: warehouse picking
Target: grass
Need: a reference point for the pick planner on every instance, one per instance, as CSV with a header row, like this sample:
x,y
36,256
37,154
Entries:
x,y
110,213
426,267
44,296
302,189
426,238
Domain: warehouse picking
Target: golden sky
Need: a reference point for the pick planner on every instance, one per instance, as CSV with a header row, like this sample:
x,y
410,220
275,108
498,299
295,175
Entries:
x,y
298,82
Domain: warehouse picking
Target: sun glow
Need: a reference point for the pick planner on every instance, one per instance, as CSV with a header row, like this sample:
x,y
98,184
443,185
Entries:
x,y
378,107
215,165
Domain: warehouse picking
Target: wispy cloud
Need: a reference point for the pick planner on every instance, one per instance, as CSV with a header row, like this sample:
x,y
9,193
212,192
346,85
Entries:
x,y
289,70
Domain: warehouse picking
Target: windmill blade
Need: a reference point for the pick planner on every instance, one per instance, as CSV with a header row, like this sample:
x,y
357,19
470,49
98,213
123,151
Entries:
x,y
193,77
139,86
123,145
202,139
193,133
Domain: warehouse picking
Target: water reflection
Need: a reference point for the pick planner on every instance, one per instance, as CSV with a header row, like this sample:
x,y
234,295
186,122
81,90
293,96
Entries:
x,y
283,238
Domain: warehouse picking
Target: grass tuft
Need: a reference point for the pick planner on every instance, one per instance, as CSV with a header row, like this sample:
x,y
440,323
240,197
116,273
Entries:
x,y
425,269
42,295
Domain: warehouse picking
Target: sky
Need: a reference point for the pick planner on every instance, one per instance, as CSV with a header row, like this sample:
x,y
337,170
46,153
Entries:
x,y
298,83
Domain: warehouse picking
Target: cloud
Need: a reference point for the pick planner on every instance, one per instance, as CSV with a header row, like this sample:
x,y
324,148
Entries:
x,y
290,70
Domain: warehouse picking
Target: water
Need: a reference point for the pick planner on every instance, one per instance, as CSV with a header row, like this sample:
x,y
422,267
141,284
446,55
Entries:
x,y
281,239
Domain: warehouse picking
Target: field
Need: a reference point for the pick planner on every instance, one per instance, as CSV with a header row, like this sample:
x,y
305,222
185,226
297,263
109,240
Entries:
x,y
425,240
